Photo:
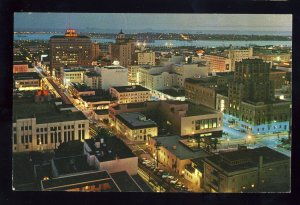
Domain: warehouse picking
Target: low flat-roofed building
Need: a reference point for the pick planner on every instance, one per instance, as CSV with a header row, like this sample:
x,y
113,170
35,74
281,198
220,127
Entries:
x,y
189,119
111,155
108,76
279,78
172,152
251,170
204,90
130,94
99,181
21,66
27,81
73,75
135,126
185,118
101,114
79,89
42,126
194,173
93,80
125,182
170,94
70,165
97,101
218,63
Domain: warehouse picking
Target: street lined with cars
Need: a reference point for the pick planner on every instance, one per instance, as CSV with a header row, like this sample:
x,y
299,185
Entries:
x,y
161,177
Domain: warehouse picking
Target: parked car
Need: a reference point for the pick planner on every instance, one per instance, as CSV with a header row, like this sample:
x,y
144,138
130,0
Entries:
x,y
170,177
152,167
149,164
178,186
165,175
146,162
183,188
167,180
174,181
159,172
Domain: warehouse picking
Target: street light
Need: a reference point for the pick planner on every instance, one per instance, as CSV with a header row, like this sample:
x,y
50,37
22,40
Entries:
x,y
228,142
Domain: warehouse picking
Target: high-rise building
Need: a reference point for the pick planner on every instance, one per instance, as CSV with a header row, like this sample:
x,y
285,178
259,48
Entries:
x,y
95,51
251,103
237,55
218,63
122,50
146,58
204,90
70,50
251,83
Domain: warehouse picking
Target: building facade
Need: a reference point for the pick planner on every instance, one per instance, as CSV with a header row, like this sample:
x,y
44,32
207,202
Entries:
x,y
93,80
122,50
204,90
255,170
251,103
111,155
135,126
42,127
130,94
169,151
27,81
218,63
237,55
70,50
74,75
108,76
146,58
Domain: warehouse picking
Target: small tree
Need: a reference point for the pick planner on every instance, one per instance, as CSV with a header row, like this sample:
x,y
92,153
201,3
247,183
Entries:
x,y
198,140
101,133
69,148
215,142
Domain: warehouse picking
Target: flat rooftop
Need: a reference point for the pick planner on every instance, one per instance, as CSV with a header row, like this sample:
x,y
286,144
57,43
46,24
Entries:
x,y
135,120
69,70
101,112
96,98
92,74
79,181
133,88
26,76
81,87
203,80
114,67
73,164
44,112
249,156
173,93
199,163
125,182
113,147
182,151
194,110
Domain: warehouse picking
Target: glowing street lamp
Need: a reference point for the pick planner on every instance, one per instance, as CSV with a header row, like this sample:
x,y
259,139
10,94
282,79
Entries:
x,y
228,142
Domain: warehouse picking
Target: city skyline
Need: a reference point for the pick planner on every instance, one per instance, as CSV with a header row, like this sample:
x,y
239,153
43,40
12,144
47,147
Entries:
x,y
110,110
116,21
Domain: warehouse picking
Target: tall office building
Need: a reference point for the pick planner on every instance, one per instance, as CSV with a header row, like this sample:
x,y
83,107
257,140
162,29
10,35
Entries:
x,y
237,55
251,83
251,104
70,50
122,50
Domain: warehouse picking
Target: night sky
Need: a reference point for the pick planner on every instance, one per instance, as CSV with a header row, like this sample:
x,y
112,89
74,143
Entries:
x,y
257,22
